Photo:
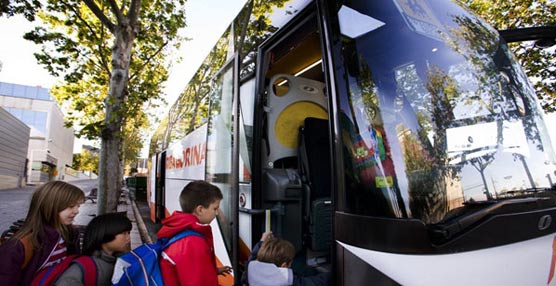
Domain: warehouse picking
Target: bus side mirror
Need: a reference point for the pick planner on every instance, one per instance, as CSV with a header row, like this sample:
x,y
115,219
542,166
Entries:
x,y
544,36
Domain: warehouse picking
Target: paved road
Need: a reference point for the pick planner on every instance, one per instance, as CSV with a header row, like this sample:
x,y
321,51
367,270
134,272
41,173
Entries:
x,y
14,203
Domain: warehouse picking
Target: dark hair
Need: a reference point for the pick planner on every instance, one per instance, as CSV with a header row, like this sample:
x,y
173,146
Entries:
x,y
198,193
46,204
276,251
103,229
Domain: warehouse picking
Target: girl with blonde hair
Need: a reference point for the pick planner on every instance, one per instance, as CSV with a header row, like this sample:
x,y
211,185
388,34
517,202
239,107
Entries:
x,y
46,237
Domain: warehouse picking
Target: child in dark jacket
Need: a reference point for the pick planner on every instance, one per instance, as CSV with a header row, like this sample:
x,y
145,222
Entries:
x,y
274,257
47,236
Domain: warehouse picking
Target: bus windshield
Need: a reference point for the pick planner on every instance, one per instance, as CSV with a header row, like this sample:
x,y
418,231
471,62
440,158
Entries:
x,y
435,113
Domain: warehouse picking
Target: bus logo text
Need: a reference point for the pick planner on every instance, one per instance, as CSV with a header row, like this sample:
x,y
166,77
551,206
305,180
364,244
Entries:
x,y
190,156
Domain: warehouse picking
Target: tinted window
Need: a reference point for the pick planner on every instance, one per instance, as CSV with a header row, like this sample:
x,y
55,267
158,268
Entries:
x,y
434,114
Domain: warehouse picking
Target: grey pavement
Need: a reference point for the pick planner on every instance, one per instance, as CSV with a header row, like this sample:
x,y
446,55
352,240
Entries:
x,y
151,227
14,204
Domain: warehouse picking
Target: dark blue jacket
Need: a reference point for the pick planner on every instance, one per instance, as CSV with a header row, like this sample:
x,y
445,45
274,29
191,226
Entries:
x,y
12,256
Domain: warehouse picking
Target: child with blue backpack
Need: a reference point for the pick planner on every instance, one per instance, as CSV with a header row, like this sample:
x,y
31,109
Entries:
x,y
106,237
191,259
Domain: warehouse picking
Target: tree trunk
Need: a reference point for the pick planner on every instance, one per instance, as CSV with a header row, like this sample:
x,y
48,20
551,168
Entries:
x,y
110,171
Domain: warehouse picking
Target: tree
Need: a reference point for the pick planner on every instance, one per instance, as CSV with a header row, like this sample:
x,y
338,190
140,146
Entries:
x,y
112,57
537,63
27,8
86,161
133,140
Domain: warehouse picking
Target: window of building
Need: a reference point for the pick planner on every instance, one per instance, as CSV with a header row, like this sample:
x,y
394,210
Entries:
x,y
24,91
32,118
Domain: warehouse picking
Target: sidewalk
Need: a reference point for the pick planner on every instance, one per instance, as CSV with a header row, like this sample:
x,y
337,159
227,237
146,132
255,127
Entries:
x,y
88,211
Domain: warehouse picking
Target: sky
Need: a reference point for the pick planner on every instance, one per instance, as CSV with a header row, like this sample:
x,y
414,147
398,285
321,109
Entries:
x,y
206,21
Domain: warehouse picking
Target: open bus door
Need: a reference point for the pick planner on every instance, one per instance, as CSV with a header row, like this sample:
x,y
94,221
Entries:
x,y
151,186
160,187
222,163
234,196
292,181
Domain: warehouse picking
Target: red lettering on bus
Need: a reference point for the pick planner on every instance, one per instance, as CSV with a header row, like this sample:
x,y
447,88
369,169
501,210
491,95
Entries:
x,y
192,156
170,162
187,156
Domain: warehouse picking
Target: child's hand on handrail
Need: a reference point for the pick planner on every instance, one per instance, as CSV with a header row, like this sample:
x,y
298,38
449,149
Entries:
x,y
266,235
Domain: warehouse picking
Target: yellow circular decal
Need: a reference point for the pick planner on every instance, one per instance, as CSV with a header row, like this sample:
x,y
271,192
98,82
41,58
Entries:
x,y
291,118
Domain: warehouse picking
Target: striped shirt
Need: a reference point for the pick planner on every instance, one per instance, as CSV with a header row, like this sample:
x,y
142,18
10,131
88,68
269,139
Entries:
x,y
57,255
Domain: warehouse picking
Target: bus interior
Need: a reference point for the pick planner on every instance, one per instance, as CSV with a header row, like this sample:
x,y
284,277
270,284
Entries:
x,y
295,152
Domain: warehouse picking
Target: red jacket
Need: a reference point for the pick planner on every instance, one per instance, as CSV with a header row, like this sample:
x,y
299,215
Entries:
x,y
190,260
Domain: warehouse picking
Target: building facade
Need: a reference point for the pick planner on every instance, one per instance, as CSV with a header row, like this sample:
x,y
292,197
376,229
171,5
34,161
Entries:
x,y
50,143
14,143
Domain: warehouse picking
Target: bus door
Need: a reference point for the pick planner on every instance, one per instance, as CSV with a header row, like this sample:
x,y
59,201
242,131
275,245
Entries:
x,y
151,186
160,208
221,162
294,166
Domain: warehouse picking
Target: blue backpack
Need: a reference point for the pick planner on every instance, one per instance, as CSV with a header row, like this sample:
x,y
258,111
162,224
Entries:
x,y
140,266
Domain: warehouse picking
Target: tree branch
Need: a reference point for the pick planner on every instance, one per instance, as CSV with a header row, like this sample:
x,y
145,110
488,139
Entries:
x,y
102,58
124,4
133,14
104,64
103,19
148,60
116,10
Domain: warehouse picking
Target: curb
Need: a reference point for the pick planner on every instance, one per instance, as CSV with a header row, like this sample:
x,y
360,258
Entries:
x,y
143,232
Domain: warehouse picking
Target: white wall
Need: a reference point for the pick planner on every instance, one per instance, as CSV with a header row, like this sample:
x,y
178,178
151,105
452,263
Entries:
x,y
58,140
14,139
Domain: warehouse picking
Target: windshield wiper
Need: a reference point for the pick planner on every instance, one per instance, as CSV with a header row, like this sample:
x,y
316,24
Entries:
x,y
457,225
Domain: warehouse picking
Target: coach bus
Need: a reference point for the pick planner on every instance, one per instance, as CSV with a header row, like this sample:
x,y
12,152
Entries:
x,y
393,142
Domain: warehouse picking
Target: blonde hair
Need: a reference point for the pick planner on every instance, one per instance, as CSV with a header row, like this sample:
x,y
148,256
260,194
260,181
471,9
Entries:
x,y
47,202
277,251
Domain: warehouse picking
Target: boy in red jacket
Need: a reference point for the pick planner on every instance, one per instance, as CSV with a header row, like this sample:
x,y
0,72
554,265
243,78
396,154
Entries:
x,y
191,260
